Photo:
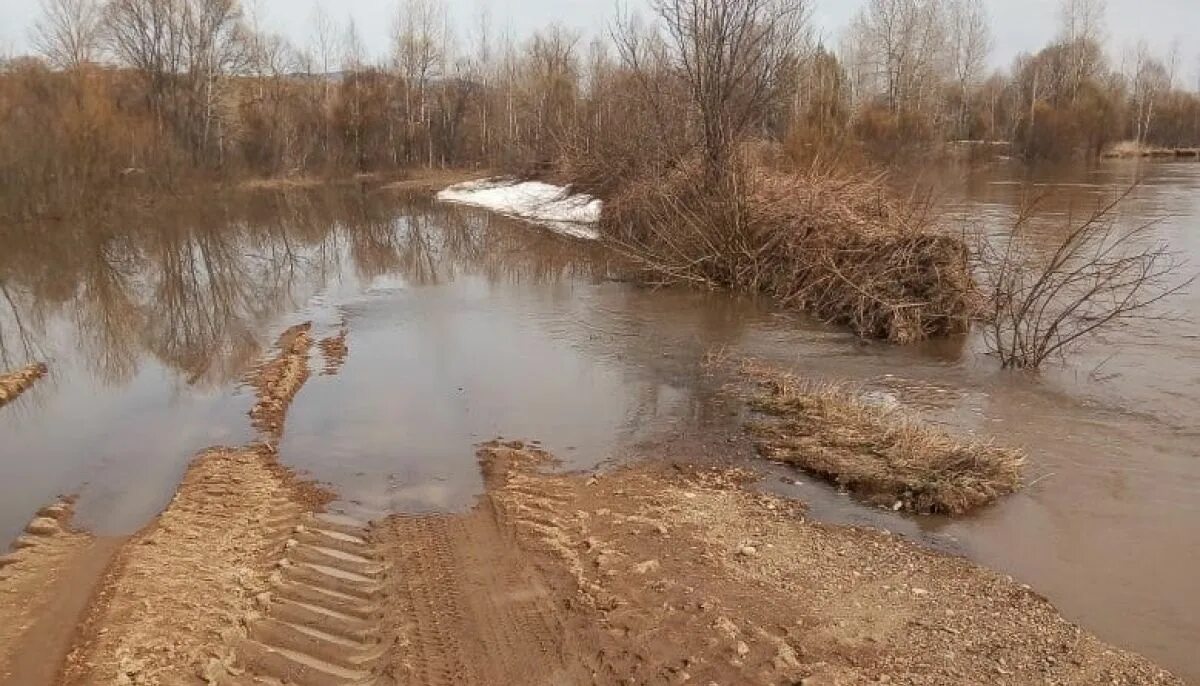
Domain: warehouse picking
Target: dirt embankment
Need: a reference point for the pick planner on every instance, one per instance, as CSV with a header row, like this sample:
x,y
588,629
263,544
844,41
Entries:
x,y
13,384
182,597
45,584
661,575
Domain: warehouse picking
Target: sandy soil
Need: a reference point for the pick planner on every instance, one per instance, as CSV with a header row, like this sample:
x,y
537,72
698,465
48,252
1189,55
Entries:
x,y
277,381
654,574
45,585
659,574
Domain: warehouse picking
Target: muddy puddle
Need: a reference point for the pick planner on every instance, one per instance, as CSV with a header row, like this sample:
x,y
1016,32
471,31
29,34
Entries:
x,y
462,327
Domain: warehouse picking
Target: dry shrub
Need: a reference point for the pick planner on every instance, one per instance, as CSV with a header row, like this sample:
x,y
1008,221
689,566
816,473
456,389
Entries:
x,y
1048,296
836,245
881,454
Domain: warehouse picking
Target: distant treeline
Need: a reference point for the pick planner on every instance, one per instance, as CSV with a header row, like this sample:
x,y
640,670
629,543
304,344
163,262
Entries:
x,y
137,92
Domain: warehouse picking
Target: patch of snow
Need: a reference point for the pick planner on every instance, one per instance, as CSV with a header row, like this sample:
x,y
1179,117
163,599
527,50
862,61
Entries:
x,y
541,203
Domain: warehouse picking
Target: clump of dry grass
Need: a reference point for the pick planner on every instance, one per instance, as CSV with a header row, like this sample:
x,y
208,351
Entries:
x,y
881,455
15,383
837,245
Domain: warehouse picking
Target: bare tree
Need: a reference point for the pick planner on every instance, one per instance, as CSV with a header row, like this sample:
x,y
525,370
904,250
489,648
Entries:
x,y
419,50
1099,276
68,34
735,56
1149,80
148,35
969,42
1081,31
898,46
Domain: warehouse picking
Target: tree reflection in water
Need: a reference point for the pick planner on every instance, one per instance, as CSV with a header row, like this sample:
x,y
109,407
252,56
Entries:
x,y
197,284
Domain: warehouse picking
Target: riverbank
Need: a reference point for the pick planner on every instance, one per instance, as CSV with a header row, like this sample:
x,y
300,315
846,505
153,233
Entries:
x,y
653,573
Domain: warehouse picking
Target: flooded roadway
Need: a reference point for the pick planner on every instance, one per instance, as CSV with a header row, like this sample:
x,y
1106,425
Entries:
x,y
464,327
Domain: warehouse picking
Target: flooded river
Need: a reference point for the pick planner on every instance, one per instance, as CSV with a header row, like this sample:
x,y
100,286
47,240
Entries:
x,y
464,327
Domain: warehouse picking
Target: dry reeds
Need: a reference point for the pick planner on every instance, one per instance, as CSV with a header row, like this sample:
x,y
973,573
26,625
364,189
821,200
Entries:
x,y
13,384
838,246
880,454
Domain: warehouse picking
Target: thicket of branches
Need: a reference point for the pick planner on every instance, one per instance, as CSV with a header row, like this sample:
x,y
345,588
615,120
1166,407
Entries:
x,y
1047,296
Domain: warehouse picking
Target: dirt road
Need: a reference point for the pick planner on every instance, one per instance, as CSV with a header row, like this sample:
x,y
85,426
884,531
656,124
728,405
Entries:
x,y
655,573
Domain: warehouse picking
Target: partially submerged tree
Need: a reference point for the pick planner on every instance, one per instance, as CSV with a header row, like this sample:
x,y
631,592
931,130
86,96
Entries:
x,y
1045,300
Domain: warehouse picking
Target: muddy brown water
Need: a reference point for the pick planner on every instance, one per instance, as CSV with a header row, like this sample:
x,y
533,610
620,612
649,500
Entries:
x,y
464,327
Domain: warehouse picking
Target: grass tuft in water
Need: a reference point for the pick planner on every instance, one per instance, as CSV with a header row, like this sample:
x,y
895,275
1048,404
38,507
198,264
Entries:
x,y
881,454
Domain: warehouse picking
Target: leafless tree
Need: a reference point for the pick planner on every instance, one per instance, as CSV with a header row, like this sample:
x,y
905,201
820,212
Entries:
x,y
897,47
1098,276
1149,79
419,51
969,42
1081,31
735,56
148,35
68,33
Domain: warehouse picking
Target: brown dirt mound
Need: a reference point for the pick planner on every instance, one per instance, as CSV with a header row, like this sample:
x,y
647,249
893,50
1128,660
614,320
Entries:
x,y
880,454
187,599
837,246
181,594
278,380
13,384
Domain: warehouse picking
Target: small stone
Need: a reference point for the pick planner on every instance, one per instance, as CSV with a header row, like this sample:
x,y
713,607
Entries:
x,y
647,567
748,551
742,649
920,592
726,626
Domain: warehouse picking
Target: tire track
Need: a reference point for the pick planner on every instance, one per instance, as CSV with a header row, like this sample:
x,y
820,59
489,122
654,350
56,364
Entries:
x,y
321,622
466,607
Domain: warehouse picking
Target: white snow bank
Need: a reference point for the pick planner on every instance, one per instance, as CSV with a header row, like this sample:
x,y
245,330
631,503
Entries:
x,y
541,203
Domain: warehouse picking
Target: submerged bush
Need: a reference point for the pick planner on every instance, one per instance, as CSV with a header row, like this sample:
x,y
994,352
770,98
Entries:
x,y
839,246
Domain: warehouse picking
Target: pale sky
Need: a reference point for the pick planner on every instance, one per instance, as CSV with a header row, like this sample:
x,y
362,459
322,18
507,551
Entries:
x,y
1018,25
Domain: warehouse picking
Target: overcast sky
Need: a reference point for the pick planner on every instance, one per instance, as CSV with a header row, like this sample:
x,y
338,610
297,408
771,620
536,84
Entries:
x,y
1018,25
